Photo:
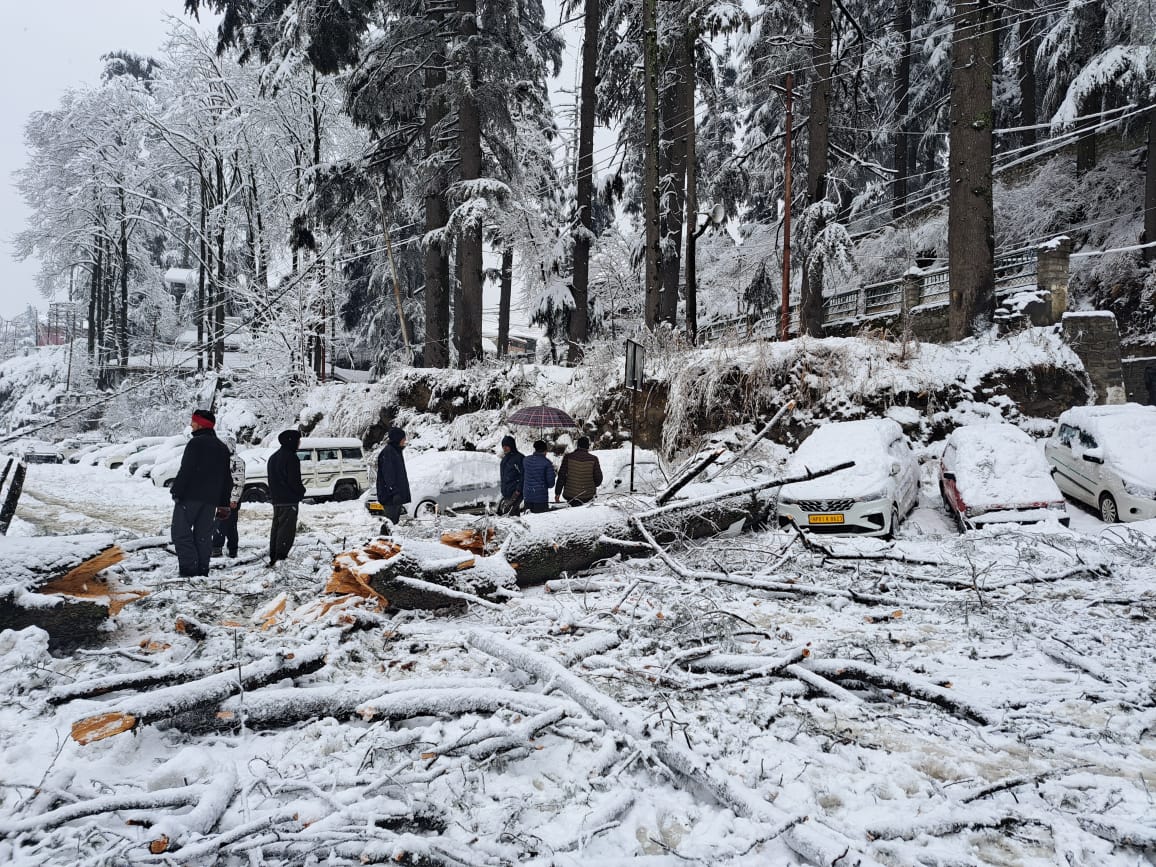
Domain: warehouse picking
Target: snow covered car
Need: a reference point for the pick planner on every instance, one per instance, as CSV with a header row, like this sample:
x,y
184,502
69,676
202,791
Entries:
x,y
332,468
869,498
146,459
995,473
450,482
34,451
1103,456
114,455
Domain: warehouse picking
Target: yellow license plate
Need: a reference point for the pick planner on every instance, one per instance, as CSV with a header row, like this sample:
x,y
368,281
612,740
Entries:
x,y
825,519
375,506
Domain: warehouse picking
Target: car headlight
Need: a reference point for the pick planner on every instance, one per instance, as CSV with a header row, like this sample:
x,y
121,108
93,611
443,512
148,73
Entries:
x,y
1136,489
877,495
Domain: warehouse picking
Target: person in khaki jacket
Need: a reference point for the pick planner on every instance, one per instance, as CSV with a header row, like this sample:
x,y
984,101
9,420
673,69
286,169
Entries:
x,y
579,476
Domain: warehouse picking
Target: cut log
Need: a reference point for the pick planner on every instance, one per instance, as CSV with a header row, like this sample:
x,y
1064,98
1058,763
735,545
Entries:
x,y
130,713
55,583
402,573
137,680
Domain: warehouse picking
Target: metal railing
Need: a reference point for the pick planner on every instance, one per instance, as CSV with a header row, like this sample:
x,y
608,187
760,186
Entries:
x,y
1012,273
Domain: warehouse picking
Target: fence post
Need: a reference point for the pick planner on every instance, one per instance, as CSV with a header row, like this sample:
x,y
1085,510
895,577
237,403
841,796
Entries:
x,y
1052,272
912,290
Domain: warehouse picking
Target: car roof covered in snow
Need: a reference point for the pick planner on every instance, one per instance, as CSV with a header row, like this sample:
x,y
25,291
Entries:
x,y
330,443
998,465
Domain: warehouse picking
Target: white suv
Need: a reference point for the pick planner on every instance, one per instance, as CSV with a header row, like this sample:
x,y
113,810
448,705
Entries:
x,y
331,468
1103,456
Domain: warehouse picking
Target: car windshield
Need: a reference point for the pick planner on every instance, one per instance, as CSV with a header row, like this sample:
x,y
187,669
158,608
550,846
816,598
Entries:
x,y
1000,465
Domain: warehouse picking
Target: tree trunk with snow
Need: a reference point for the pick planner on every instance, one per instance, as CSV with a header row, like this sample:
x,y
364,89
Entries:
x,y
811,290
584,234
1150,189
971,221
902,94
650,163
436,348
468,317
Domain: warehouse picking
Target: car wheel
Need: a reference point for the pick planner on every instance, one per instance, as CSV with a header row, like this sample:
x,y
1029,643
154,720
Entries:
x,y
255,494
894,527
1109,513
425,509
346,491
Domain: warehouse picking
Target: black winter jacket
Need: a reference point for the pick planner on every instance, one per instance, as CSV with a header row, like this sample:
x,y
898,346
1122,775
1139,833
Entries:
x,y
285,485
392,479
511,473
204,476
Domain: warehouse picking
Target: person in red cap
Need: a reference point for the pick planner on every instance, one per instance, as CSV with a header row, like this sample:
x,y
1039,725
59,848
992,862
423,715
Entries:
x,y
200,492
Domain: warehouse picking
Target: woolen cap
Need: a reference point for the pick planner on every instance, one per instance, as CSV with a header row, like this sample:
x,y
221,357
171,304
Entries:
x,y
509,441
289,438
205,417
395,436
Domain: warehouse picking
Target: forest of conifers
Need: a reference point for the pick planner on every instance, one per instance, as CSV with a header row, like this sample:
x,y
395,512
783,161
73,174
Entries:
x,y
364,168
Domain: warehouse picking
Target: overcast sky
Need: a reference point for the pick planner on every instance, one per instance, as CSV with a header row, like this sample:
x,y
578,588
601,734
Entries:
x,y
50,46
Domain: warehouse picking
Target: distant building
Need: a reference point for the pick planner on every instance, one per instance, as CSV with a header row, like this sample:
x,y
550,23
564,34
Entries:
x,y
178,281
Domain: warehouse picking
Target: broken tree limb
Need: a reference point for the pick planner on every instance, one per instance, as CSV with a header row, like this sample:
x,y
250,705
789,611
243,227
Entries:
x,y
821,684
816,547
131,713
759,437
769,667
179,797
687,477
893,680
8,511
1122,832
728,790
278,708
174,831
165,675
758,583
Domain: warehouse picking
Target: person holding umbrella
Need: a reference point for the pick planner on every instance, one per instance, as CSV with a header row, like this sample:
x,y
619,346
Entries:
x,y
537,479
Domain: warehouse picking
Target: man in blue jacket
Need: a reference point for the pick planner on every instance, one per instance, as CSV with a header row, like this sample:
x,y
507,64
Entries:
x,y
392,479
286,491
537,479
510,474
200,493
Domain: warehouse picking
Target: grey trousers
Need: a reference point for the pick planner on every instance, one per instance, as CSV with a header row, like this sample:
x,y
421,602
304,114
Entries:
x,y
283,532
192,535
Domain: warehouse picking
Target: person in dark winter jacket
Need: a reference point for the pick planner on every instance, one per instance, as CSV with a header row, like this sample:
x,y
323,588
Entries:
x,y
579,476
200,492
537,479
392,479
226,530
511,477
286,491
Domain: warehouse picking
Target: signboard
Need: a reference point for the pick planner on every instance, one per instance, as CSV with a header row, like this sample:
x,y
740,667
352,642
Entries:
x,y
635,361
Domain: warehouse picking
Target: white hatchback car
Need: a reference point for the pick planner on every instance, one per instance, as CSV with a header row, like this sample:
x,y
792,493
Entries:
x,y
869,498
1103,456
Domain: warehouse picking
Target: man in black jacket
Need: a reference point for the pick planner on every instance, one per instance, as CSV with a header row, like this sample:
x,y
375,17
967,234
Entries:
x,y
200,492
510,478
392,478
286,491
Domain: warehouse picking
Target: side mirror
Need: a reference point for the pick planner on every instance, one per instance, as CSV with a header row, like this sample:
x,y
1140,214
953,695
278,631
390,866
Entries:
x,y
949,477
895,468
1094,456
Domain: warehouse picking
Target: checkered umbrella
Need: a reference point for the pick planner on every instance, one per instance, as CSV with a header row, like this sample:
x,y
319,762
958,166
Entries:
x,y
541,417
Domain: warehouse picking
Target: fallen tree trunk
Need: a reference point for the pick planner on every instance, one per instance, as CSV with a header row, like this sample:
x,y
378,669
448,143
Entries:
x,y
570,540
130,713
8,511
164,675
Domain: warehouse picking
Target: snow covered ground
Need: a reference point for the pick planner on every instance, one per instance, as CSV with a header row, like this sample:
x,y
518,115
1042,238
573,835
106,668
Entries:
x,y
946,699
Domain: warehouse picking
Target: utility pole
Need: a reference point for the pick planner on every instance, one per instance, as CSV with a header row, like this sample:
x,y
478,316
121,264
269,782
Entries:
x,y
785,313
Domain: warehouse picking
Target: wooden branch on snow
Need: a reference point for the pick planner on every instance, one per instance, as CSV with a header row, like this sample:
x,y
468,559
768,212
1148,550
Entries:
x,y
174,831
179,797
130,713
764,667
816,547
688,477
837,669
168,675
1121,831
